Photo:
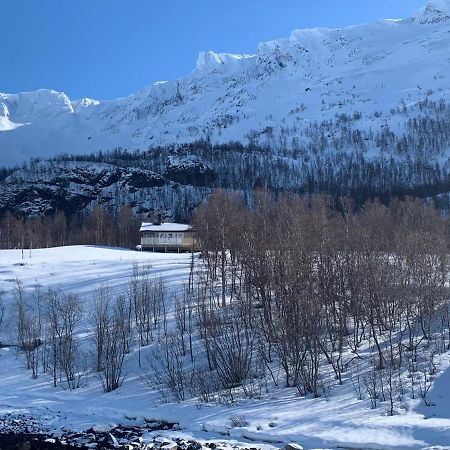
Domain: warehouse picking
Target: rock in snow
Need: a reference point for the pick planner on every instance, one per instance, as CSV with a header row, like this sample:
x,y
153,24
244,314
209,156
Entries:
x,y
292,446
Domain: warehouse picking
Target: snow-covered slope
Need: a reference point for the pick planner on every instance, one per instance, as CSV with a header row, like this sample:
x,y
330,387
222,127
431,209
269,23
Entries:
x,y
271,97
338,420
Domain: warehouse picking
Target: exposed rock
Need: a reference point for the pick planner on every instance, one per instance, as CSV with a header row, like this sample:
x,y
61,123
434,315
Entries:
x,y
170,446
292,446
112,440
189,170
72,187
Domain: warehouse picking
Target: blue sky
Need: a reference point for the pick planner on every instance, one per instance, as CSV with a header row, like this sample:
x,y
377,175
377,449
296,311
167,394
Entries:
x,y
111,48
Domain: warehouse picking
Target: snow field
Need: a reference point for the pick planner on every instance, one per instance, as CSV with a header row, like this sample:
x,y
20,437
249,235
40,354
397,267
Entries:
x,y
279,417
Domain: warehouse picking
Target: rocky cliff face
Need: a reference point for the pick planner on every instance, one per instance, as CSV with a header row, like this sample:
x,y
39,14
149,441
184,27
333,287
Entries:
x,y
174,181
46,187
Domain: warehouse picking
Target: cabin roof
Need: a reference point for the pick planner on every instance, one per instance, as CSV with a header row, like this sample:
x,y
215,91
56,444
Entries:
x,y
170,227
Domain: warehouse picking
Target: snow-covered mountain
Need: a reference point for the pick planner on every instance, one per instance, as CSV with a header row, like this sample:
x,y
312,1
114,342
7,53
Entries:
x,y
378,74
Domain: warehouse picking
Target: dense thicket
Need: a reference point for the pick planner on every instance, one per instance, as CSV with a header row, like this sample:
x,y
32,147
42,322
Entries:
x,y
304,289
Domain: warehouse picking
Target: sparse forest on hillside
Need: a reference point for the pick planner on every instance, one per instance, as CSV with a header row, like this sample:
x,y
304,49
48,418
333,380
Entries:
x,y
341,157
175,180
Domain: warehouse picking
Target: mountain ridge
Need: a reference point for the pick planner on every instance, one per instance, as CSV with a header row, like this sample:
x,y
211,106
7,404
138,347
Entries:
x,y
268,99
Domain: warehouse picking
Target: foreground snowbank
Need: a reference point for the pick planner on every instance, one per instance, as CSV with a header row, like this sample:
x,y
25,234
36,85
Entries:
x,y
276,419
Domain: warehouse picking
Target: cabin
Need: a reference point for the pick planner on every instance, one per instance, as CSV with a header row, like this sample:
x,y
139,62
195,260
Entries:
x,y
167,237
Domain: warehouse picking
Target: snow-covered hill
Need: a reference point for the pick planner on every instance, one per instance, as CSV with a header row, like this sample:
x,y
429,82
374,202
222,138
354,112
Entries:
x,y
336,420
379,74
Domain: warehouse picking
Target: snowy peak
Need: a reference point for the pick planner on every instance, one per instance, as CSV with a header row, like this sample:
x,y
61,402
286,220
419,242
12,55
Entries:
x,y
78,105
436,11
26,106
220,62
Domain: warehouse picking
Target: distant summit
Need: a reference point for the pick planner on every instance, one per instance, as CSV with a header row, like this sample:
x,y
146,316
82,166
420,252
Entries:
x,y
435,11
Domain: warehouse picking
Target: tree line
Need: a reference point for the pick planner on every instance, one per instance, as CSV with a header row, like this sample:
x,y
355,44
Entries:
x,y
98,227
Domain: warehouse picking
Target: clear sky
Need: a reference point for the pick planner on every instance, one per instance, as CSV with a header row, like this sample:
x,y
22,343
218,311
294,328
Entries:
x,y
112,48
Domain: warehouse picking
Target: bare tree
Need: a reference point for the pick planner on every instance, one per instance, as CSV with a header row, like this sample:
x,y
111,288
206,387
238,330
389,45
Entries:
x,y
63,313
100,322
168,371
114,346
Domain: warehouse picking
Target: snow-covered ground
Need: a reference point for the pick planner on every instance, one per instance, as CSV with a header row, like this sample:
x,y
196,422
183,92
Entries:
x,y
280,417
